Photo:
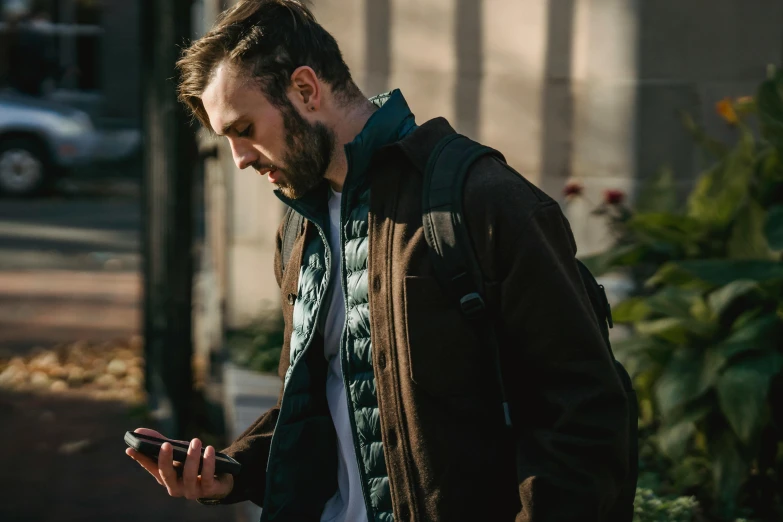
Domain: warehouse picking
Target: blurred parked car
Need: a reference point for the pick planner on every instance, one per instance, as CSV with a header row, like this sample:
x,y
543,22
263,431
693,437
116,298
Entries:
x,y
41,140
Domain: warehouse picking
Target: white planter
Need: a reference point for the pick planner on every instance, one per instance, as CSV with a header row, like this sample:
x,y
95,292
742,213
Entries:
x,y
247,395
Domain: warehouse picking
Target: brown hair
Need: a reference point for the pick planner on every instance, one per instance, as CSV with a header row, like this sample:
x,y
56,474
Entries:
x,y
269,38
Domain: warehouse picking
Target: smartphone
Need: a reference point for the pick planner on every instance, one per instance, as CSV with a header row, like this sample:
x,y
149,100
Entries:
x,y
150,446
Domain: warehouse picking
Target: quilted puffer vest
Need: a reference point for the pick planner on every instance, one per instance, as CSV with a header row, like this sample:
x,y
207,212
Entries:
x,y
300,476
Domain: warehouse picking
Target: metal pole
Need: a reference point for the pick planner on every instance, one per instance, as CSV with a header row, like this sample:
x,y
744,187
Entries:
x,y
169,155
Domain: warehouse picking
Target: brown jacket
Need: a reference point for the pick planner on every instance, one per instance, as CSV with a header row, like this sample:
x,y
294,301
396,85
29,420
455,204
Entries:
x,y
448,455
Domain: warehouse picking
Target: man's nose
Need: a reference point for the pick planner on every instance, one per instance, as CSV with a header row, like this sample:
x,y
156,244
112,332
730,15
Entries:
x,y
243,156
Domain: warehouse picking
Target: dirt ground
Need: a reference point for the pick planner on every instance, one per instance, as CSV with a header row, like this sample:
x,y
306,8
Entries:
x,y
62,459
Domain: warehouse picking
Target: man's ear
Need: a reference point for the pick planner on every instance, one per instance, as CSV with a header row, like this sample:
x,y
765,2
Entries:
x,y
306,89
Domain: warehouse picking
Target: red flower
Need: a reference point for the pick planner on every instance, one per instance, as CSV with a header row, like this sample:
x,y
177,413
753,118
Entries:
x,y
573,188
614,197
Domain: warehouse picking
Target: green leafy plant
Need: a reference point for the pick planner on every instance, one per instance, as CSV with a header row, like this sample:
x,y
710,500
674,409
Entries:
x,y
706,325
258,346
649,507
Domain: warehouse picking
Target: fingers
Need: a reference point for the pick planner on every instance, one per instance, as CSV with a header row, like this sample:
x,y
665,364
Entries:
x,y
166,470
145,462
208,473
190,484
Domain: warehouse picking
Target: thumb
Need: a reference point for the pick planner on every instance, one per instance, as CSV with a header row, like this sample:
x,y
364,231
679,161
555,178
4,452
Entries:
x,y
153,433
150,433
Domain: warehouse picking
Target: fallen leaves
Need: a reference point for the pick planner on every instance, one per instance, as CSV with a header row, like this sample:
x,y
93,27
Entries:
x,y
106,370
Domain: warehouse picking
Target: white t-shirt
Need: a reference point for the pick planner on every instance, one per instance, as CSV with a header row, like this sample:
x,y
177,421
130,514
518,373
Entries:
x,y
347,505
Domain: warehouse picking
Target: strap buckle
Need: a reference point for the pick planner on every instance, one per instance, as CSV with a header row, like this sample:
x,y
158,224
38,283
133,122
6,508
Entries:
x,y
472,304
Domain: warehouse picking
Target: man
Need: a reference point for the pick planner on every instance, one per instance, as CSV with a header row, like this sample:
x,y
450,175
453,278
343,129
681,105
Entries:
x,y
389,405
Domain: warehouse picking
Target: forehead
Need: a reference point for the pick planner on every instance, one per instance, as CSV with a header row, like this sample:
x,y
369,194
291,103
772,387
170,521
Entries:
x,y
230,95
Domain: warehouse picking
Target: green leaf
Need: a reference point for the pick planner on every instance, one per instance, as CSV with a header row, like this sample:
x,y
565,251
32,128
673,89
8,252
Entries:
x,y
667,228
722,272
659,193
742,393
722,190
630,311
673,274
638,353
701,311
769,175
714,147
721,299
673,301
747,317
729,470
773,229
748,240
762,333
684,379
638,344
636,364
770,107
673,438
670,329
619,256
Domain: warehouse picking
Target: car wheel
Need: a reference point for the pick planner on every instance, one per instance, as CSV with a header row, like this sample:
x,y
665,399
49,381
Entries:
x,y
23,167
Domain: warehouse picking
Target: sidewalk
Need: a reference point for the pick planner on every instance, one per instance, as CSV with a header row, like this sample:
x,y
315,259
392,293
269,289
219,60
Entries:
x,y
62,455
63,460
46,307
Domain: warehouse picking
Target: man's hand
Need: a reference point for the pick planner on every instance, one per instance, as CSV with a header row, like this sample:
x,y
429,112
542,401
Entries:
x,y
191,485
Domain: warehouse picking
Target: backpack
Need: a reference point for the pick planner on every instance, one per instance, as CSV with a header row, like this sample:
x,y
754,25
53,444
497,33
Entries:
x,y
458,273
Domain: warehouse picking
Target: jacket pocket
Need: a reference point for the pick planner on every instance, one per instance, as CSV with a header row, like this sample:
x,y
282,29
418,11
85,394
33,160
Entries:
x,y
442,349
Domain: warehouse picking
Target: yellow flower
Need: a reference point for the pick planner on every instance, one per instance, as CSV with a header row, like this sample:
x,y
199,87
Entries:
x,y
725,109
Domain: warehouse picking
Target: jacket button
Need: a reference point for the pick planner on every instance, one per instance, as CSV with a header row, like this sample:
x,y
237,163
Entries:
x,y
376,283
291,299
382,360
391,438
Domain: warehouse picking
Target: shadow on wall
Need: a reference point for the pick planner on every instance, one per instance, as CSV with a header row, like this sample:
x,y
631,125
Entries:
x,y
377,45
470,57
557,104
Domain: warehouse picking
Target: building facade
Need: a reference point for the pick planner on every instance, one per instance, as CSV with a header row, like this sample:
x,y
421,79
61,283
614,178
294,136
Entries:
x,y
584,89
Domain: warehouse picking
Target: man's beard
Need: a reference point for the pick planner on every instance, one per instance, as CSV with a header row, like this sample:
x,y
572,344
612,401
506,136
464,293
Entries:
x,y
309,152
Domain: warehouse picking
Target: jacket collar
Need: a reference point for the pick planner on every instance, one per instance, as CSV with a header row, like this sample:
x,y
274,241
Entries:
x,y
391,122
419,144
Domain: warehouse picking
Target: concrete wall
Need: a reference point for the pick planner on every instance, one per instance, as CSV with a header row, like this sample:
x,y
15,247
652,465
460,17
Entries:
x,y
242,220
584,88
564,88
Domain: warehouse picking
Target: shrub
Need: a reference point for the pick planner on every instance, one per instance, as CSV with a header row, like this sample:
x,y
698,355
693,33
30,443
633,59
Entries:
x,y
705,348
258,346
648,507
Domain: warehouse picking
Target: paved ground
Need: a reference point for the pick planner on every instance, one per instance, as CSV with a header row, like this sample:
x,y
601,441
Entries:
x,y
63,460
69,271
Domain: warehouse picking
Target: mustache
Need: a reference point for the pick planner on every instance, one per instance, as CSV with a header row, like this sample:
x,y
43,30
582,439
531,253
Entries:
x,y
261,167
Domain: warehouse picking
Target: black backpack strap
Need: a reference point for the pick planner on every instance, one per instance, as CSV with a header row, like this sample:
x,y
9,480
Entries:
x,y
444,226
446,233
293,222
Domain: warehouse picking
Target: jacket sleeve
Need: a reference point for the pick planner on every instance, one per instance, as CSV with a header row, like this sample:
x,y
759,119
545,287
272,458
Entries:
x,y
567,403
251,448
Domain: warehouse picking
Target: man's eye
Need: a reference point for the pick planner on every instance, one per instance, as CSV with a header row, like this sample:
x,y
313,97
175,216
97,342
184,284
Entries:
x,y
245,133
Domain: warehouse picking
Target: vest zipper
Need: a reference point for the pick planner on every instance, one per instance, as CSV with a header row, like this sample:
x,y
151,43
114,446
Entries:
x,y
343,352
